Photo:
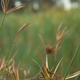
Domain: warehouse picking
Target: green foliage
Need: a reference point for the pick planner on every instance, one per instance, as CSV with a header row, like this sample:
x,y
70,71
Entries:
x,y
44,23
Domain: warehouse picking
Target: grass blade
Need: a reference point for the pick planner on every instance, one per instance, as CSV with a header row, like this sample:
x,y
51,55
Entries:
x,y
71,62
37,63
1,25
58,66
73,75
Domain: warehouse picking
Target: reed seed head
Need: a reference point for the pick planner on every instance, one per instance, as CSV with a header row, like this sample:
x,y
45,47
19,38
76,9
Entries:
x,y
5,6
49,49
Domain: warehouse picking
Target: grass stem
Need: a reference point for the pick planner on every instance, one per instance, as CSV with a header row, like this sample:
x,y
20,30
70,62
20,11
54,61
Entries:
x,y
73,58
12,48
1,25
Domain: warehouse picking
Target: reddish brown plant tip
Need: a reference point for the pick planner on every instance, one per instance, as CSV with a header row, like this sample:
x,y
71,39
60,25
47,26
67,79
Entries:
x,y
49,49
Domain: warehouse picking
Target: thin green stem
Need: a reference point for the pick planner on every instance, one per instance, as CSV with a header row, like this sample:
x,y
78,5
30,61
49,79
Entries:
x,y
11,51
1,25
73,58
13,45
12,48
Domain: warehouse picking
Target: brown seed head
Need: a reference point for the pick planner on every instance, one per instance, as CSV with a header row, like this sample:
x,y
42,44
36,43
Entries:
x,y
49,49
5,6
60,34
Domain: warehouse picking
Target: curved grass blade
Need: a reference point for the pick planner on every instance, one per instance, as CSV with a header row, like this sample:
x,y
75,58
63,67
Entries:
x,y
73,75
37,63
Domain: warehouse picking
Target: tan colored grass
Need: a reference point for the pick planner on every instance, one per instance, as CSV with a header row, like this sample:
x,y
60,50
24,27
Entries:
x,y
5,5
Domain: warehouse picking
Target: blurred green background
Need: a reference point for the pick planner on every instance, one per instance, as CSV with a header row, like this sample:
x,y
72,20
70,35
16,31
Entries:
x,y
44,22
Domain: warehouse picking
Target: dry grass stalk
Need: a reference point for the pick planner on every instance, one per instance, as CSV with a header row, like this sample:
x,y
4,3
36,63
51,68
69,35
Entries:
x,y
23,27
16,8
2,64
57,66
15,72
11,60
60,34
73,75
5,5
10,70
41,58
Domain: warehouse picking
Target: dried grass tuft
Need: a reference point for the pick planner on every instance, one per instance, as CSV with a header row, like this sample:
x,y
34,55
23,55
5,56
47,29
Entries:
x,y
5,5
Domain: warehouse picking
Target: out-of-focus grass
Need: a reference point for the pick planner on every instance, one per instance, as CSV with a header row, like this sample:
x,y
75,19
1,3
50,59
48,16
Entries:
x,y
45,23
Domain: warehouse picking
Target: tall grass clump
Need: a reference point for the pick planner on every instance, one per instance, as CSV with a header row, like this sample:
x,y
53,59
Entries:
x,y
8,69
46,72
